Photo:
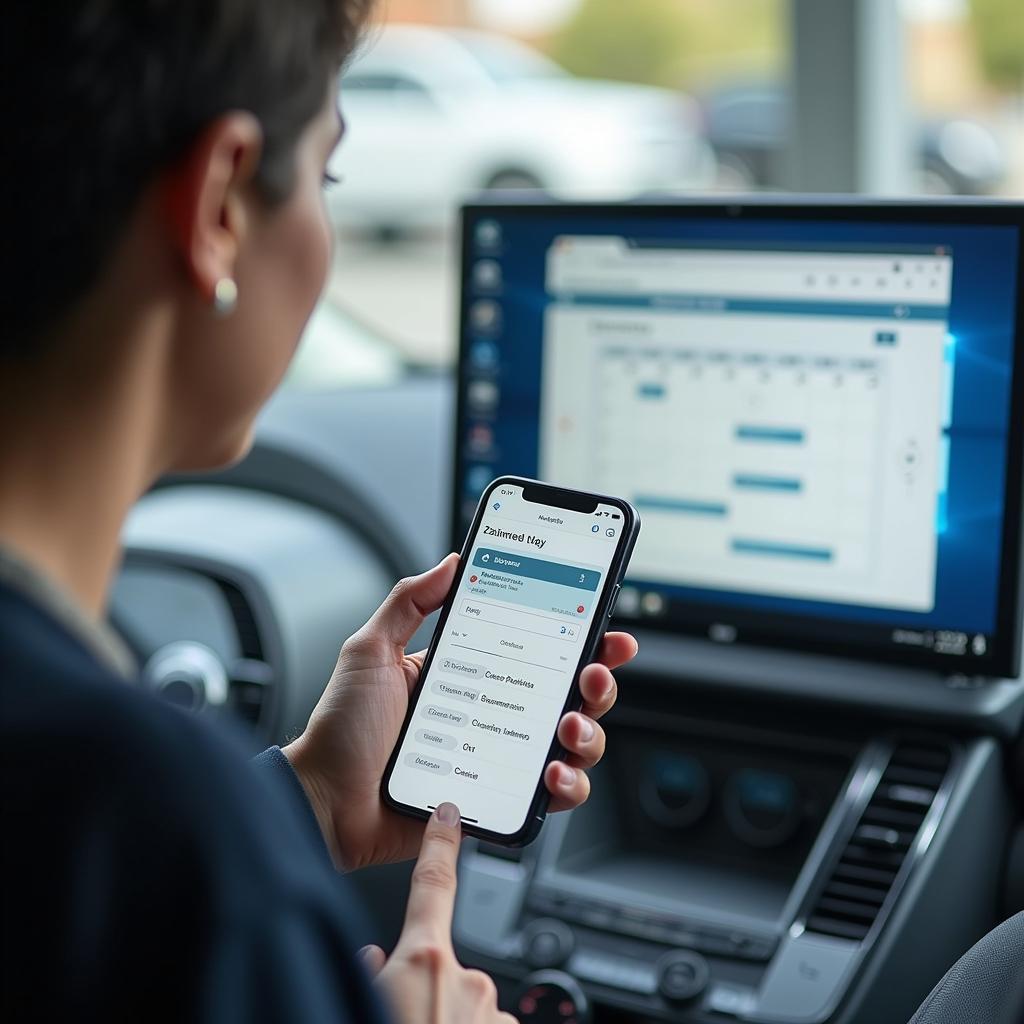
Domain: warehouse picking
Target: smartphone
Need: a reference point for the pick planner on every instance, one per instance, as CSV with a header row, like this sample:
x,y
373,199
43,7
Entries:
x,y
536,585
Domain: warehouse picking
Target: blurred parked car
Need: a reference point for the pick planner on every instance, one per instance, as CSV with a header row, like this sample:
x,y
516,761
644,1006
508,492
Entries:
x,y
436,115
747,126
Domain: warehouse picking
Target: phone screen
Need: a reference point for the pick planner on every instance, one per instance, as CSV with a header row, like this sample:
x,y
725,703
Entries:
x,y
506,658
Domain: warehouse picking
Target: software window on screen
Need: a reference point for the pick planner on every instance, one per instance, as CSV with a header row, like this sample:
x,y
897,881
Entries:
x,y
790,405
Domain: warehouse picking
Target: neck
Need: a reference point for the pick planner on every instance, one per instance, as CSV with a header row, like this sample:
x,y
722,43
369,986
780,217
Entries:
x,y
78,446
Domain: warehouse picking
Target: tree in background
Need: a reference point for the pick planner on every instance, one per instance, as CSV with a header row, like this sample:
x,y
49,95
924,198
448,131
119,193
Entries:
x,y
675,43
999,29
634,41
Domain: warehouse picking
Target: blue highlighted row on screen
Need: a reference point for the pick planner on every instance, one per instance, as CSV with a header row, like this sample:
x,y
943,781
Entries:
x,y
782,435
772,548
536,569
754,481
683,505
718,304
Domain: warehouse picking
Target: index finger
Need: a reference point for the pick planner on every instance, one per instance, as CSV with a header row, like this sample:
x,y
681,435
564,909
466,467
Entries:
x,y
432,894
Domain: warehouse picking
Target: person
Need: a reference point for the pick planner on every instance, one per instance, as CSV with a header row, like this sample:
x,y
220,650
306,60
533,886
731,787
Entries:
x,y
167,240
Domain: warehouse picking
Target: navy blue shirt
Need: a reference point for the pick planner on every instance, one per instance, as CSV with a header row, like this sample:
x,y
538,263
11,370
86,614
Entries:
x,y
150,871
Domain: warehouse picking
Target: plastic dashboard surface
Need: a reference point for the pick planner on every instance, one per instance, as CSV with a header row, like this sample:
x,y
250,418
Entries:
x,y
920,696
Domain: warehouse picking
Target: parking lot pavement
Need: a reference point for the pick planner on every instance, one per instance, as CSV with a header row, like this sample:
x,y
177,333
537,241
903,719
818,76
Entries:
x,y
405,289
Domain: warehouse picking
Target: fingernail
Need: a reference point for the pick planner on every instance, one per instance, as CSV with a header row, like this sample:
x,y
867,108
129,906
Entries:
x,y
448,814
586,729
567,777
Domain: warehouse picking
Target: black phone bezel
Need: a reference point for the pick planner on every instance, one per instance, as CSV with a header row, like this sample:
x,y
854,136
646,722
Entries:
x,y
557,497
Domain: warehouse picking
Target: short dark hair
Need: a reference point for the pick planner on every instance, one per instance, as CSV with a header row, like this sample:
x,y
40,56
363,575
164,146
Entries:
x,y
107,93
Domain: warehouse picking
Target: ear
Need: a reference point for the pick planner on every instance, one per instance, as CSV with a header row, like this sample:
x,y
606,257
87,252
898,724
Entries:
x,y
205,198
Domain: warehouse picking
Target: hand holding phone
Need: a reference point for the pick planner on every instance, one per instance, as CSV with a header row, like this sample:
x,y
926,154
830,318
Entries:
x,y
537,581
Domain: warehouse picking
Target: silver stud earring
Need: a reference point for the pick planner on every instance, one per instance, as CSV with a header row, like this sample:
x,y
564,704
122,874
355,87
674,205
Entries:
x,y
225,296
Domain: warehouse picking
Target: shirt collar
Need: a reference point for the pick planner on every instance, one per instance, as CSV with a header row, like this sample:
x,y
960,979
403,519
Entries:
x,y
101,641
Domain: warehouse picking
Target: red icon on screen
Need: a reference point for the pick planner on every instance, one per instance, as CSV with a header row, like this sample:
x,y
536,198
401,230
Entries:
x,y
580,609
473,579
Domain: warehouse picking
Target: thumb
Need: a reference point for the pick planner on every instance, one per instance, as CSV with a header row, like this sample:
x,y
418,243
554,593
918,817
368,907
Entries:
x,y
411,600
373,959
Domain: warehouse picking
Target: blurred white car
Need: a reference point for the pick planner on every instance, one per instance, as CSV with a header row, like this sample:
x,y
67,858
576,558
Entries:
x,y
434,116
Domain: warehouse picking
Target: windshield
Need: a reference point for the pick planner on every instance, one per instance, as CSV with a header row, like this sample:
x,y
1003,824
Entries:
x,y
611,100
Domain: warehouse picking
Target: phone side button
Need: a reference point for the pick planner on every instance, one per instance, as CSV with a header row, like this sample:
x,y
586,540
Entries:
x,y
614,600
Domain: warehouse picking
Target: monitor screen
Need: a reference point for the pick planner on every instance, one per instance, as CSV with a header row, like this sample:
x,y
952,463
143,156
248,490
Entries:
x,y
816,409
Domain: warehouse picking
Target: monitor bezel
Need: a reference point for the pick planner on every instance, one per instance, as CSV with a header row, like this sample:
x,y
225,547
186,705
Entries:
x,y
786,631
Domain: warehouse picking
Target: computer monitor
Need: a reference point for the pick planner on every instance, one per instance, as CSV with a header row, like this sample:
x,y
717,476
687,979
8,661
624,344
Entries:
x,y
818,409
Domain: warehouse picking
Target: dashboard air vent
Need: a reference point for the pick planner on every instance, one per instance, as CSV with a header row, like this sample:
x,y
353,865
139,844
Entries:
x,y
249,642
863,877
250,676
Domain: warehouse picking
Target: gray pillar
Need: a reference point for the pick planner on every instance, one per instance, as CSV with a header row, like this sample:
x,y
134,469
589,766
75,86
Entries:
x,y
849,129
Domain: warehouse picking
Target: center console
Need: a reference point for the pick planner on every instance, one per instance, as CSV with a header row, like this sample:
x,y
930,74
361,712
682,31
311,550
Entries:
x,y
744,875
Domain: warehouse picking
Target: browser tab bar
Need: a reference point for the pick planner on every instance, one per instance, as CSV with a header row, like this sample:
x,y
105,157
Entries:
x,y
581,267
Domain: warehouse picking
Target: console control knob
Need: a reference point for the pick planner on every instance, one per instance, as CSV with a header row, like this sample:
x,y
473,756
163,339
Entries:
x,y
674,789
762,808
551,997
547,942
682,975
